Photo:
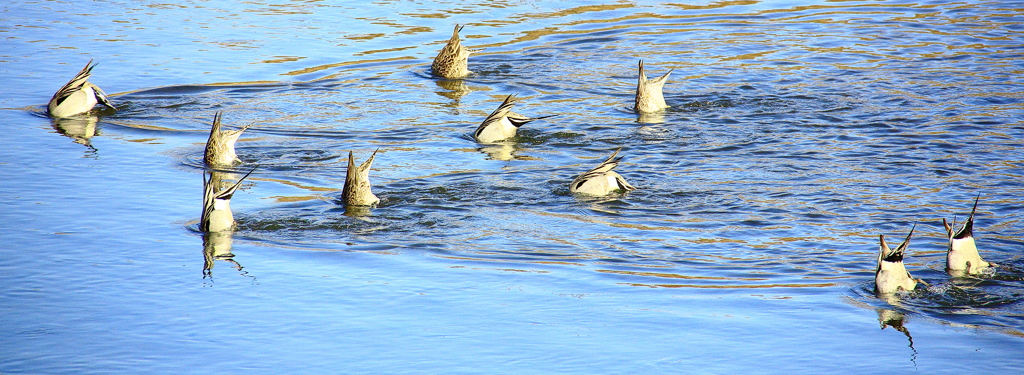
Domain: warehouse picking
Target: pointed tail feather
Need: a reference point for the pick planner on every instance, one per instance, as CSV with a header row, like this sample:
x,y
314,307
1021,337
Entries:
x,y
903,246
227,193
73,85
351,177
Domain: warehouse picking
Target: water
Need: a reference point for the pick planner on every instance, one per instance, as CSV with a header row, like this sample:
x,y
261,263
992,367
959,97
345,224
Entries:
x,y
798,133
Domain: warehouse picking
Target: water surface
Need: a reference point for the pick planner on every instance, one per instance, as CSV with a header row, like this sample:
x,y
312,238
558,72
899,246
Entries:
x,y
798,133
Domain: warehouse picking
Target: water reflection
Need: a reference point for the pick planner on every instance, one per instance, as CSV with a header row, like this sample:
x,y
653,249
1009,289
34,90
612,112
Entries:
x,y
608,205
650,117
780,143
896,320
79,128
986,272
220,180
453,89
359,212
217,246
503,151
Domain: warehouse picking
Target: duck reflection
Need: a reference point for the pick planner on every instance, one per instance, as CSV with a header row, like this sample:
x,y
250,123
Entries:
x,y
217,222
360,212
220,180
80,128
503,151
895,319
453,89
217,246
651,117
609,204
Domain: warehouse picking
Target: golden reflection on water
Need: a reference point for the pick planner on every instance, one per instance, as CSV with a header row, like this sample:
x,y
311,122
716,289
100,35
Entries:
x,y
317,189
383,50
314,69
295,198
281,59
713,4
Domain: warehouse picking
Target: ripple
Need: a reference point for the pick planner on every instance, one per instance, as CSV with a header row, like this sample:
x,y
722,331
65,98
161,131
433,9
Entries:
x,y
795,136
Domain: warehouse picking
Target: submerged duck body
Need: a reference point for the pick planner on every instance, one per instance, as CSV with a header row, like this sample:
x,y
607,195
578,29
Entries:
x,y
217,215
649,96
453,59
891,275
357,191
502,124
77,96
601,180
962,255
220,146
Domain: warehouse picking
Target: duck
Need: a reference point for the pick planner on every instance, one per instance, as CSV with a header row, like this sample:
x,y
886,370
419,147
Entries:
x,y
78,96
357,190
601,180
962,256
453,60
220,146
891,275
649,97
502,124
217,215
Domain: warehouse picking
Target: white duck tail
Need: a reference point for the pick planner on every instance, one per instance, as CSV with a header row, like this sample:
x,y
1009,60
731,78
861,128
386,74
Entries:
x,y
962,257
217,215
891,274
78,96
502,124
601,180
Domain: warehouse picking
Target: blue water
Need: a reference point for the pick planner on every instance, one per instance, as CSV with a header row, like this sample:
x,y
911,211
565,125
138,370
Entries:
x,y
799,132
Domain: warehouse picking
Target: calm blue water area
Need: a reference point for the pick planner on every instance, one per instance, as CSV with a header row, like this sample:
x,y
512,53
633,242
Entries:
x,y
798,133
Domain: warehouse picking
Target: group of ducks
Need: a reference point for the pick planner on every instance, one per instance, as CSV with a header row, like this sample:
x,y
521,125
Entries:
x,y
962,257
80,96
